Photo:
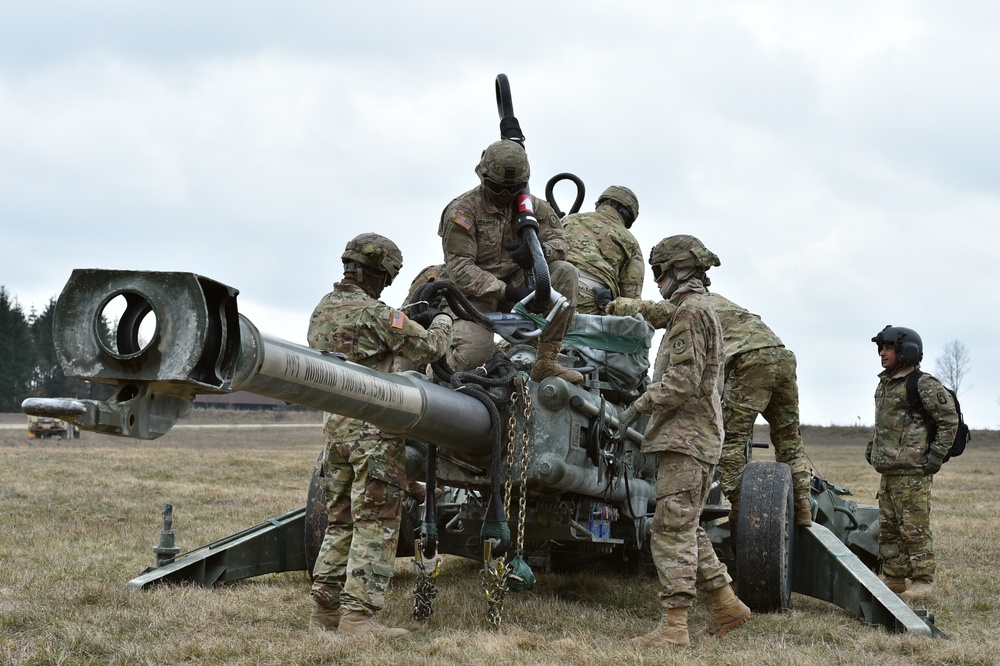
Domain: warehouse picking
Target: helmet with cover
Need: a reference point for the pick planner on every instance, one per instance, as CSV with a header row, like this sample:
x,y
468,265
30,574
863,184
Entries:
x,y
907,343
373,252
681,252
624,200
503,168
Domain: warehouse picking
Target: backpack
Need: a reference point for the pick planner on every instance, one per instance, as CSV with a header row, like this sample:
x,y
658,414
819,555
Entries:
x,y
962,434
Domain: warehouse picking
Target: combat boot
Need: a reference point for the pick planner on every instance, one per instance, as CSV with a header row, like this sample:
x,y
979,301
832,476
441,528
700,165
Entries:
x,y
361,623
897,585
547,364
919,590
803,512
672,631
324,618
730,613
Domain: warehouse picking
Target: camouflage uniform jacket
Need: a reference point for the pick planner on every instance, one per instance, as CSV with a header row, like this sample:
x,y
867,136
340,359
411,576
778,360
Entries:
x,y
900,439
742,330
474,233
685,397
600,244
372,334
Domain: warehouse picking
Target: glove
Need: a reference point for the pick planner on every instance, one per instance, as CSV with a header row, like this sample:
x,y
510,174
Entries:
x,y
602,296
426,317
515,294
627,418
521,254
868,452
933,463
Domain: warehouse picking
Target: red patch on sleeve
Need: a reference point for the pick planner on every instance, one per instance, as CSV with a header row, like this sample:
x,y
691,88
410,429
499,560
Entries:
x,y
463,222
397,319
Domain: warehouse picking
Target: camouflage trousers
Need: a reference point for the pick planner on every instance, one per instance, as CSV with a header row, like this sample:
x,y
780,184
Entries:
x,y
364,483
762,381
472,345
684,557
905,542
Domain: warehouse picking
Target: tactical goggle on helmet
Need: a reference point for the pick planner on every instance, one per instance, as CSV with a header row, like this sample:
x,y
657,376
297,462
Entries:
x,y
683,252
503,168
376,252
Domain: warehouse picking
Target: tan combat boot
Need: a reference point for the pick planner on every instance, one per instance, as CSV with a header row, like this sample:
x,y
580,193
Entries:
x,y
324,618
919,590
672,631
549,345
361,623
897,585
803,512
730,613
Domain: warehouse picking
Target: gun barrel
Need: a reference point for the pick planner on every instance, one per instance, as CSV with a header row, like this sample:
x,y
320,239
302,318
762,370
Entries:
x,y
181,335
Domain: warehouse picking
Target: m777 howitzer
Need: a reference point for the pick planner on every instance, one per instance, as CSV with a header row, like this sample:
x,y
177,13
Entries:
x,y
581,494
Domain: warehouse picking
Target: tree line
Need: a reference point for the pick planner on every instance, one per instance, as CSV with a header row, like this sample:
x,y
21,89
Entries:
x,y
28,364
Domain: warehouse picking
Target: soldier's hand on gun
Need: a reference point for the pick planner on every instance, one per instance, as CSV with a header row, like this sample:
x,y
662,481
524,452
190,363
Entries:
x,y
515,294
933,463
627,418
602,296
521,254
426,317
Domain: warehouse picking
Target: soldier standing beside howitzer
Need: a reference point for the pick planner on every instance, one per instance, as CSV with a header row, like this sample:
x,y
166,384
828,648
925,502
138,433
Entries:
x,y
364,470
487,263
903,452
604,250
760,379
684,401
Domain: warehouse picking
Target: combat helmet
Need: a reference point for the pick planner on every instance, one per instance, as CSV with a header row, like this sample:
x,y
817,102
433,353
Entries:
x,y
625,201
908,345
504,168
373,251
681,252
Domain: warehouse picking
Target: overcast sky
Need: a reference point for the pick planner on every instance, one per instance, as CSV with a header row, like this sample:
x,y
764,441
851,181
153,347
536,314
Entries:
x,y
841,158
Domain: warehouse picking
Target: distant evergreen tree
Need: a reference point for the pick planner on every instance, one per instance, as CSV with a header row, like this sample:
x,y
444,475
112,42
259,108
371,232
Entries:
x,y
17,354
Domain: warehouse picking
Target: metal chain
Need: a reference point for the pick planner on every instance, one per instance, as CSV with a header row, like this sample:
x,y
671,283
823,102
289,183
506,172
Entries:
x,y
522,503
426,587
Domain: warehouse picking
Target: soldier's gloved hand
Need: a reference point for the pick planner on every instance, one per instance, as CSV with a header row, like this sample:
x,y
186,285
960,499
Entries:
x,y
426,317
521,254
515,294
602,296
627,418
933,464
868,452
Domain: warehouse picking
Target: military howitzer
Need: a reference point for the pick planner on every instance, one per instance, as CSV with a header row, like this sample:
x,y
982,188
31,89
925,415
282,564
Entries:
x,y
587,495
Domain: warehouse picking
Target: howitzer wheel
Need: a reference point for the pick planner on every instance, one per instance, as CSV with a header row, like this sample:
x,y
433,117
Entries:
x,y
765,534
317,519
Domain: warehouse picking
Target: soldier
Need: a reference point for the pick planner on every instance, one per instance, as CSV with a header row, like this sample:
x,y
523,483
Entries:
x,y
364,470
907,455
486,262
604,250
684,402
760,379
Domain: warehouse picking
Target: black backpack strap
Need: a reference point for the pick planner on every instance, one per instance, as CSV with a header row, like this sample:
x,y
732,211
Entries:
x,y
917,405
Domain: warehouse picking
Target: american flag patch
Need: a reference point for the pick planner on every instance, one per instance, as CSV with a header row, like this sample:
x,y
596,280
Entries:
x,y
463,222
397,319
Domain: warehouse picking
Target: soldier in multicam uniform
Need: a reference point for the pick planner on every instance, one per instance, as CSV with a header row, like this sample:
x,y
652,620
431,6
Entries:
x,y
685,431
364,470
904,453
486,262
760,379
604,250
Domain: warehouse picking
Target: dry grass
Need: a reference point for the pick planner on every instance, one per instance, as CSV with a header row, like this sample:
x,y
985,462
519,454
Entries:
x,y
80,518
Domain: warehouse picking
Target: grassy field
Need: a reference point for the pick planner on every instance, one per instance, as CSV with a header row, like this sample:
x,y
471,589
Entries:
x,y
79,519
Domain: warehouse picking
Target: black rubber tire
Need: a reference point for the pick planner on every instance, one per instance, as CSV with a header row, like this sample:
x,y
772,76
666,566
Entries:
x,y
766,537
